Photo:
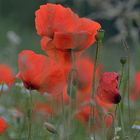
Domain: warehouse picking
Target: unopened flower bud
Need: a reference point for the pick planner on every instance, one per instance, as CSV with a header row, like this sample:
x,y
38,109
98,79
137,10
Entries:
x,y
100,35
51,128
123,60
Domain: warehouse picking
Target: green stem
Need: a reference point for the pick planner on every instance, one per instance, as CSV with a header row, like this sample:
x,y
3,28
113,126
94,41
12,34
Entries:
x,y
91,117
122,74
128,80
122,87
120,105
2,86
63,112
30,116
121,122
70,91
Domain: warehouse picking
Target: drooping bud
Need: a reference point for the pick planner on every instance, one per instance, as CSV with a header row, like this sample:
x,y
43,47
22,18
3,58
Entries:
x,y
50,127
108,90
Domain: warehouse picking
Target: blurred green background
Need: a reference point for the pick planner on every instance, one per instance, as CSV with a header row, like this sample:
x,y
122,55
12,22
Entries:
x,y
119,18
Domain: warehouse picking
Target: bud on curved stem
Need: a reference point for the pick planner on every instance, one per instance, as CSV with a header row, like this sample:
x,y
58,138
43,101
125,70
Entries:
x,y
99,38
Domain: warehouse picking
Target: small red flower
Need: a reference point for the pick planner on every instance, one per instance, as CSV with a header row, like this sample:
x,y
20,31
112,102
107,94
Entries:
x,y
83,111
40,73
6,75
108,88
43,108
58,98
135,93
85,68
62,30
108,120
83,115
3,125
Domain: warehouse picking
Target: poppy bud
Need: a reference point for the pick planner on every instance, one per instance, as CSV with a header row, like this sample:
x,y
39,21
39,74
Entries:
x,y
100,35
51,128
123,60
117,98
108,90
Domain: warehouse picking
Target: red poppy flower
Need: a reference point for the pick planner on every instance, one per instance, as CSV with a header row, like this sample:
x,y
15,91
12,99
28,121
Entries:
x,y
3,125
106,106
62,30
108,120
108,88
6,75
40,73
84,72
83,115
58,98
135,93
83,111
43,108
83,77
85,68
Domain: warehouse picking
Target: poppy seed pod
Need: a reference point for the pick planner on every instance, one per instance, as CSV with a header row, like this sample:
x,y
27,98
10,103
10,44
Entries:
x,y
100,35
123,60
